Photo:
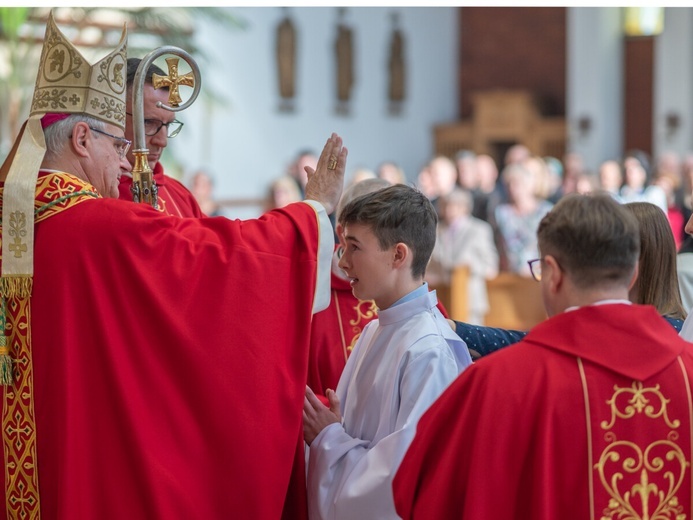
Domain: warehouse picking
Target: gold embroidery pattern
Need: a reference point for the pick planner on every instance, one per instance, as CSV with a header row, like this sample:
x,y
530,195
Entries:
x,y
62,60
365,310
54,193
18,232
368,314
19,421
638,403
55,98
632,476
353,341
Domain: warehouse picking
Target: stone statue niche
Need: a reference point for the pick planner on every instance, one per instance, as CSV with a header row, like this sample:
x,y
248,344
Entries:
x,y
396,69
286,62
344,54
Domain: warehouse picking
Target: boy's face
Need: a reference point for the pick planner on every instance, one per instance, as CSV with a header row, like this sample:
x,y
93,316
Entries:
x,y
368,267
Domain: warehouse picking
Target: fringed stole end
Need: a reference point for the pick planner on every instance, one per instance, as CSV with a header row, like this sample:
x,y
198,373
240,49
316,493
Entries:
x,y
10,287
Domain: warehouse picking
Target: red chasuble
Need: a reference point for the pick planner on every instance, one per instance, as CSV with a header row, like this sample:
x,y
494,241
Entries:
x,y
588,417
173,198
169,358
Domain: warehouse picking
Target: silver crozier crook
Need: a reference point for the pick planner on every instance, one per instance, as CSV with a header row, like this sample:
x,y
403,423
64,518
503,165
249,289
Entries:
x,y
144,188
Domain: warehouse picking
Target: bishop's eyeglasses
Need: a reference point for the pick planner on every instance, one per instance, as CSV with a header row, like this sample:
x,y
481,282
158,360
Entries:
x,y
121,144
152,127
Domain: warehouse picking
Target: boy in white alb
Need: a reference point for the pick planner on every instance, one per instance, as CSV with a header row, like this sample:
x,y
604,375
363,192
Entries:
x,y
401,363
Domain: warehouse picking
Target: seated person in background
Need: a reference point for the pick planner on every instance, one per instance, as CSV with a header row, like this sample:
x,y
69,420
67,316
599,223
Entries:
x,y
391,172
656,284
401,363
637,176
611,179
463,240
202,188
517,221
282,191
489,193
555,423
361,174
160,125
297,168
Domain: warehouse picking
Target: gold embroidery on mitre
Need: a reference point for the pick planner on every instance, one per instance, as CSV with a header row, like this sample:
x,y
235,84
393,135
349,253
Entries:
x,y
67,83
629,473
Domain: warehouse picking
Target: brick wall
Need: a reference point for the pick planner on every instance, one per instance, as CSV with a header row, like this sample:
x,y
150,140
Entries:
x,y
514,48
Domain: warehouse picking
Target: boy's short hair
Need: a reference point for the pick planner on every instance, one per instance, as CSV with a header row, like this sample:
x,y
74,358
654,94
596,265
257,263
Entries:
x,y
398,213
593,238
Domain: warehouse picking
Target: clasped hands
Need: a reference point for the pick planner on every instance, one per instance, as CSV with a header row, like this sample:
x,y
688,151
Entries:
x,y
317,416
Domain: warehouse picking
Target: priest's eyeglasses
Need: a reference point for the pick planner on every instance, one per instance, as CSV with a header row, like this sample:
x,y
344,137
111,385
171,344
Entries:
x,y
152,127
535,268
122,145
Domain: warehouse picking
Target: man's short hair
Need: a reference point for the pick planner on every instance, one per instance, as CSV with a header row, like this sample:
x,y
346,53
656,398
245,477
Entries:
x,y
593,238
398,213
59,133
133,63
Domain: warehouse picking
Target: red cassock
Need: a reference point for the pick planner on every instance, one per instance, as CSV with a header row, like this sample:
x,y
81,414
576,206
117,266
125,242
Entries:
x,y
170,358
588,417
173,198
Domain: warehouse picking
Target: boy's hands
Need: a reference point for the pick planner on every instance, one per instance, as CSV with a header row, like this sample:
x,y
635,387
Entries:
x,y
317,416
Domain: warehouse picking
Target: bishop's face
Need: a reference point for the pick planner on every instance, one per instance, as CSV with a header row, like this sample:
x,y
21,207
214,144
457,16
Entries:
x,y
107,165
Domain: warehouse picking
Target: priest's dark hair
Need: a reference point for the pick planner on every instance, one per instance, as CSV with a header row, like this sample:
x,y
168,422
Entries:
x,y
398,213
593,238
133,63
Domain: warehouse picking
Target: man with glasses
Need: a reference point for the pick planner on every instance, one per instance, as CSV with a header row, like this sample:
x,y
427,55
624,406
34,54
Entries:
x,y
160,125
589,416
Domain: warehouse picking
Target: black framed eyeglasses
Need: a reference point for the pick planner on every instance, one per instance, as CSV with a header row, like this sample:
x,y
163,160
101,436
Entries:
x,y
152,127
122,145
535,268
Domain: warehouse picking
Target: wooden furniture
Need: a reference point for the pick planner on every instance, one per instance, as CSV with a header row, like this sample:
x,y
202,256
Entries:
x,y
515,302
501,118
454,297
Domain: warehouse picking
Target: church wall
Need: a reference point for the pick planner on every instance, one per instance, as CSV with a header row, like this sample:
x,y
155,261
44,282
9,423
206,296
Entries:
x,y
673,82
515,48
595,83
247,144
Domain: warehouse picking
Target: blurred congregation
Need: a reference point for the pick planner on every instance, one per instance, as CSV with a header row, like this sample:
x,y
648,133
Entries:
x,y
489,213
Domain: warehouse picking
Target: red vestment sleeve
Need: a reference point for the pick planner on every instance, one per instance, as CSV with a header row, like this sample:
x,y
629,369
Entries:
x,y
170,360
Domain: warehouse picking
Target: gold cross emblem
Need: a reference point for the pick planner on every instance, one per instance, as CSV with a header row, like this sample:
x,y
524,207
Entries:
x,y
173,81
